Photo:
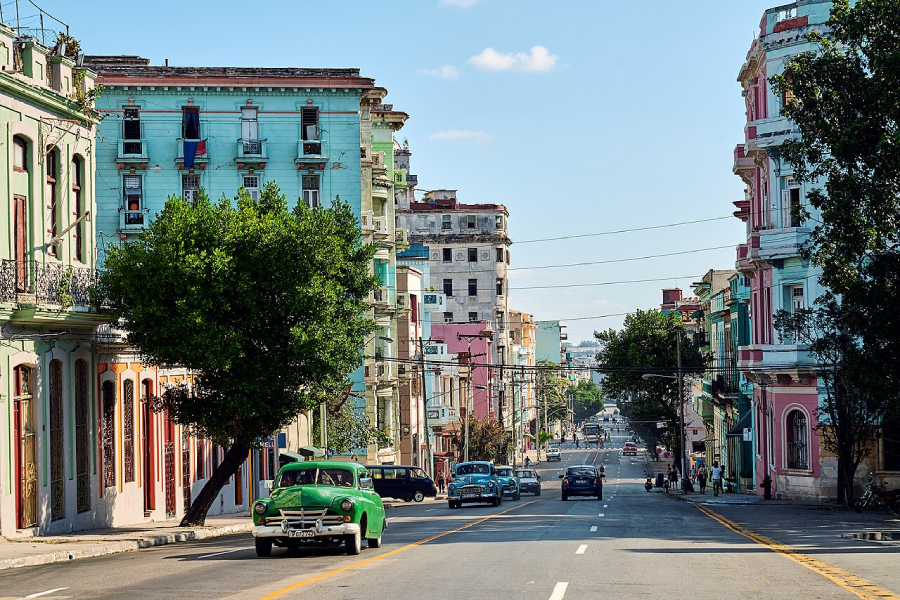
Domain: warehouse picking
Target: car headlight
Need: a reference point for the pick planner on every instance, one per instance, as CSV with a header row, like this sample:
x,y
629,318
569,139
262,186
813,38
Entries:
x,y
491,485
260,508
452,488
346,505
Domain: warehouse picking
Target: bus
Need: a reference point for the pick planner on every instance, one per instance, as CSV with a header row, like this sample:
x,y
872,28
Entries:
x,y
593,434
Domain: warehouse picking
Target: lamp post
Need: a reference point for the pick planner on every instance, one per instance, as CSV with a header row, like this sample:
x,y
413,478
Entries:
x,y
680,378
486,333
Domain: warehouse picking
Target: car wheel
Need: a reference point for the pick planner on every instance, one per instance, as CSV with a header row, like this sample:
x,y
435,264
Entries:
x,y
451,504
408,499
353,543
564,497
418,496
538,493
375,542
517,496
263,546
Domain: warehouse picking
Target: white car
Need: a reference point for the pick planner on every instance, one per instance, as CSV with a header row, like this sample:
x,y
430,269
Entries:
x,y
553,453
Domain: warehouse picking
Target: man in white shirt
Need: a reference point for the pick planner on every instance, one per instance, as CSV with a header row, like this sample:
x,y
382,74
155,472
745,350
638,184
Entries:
x,y
716,476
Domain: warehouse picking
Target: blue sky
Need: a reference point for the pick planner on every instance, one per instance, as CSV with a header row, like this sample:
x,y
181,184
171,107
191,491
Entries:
x,y
586,117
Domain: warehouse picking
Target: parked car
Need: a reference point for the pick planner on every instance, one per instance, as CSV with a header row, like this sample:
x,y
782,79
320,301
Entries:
x,y
319,502
474,482
509,481
405,483
629,448
553,453
529,481
581,480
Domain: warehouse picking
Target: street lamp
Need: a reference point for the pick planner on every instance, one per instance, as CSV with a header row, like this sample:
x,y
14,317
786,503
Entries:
x,y
486,333
680,378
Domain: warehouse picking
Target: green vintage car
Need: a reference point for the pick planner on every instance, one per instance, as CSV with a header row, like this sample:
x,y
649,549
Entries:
x,y
319,502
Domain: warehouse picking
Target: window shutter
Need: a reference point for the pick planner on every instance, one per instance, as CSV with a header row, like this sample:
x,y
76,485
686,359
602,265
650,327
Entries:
x,y
786,208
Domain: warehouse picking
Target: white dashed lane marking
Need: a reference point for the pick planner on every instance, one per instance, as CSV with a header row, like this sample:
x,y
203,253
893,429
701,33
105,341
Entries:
x,y
593,528
559,590
601,515
581,549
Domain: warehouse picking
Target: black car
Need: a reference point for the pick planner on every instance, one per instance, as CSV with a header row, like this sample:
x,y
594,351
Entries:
x,y
581,480
404,482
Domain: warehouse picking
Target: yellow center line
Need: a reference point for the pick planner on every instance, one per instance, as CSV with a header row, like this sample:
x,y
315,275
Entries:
x,y
361,563
848,581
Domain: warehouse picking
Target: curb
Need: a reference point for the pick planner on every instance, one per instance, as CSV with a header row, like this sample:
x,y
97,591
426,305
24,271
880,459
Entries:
x,y
104,548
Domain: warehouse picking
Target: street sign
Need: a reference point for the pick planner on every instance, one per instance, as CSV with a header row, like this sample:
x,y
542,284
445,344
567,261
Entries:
x,y
667,454
659,450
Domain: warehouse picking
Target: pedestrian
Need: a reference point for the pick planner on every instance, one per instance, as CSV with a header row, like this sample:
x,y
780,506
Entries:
x,y
447,478
701,478
440,481
602,470
716,473
673,477
694,474
527,462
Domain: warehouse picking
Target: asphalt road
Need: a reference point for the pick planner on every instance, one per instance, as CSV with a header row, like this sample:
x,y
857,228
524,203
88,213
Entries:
x,y
632,544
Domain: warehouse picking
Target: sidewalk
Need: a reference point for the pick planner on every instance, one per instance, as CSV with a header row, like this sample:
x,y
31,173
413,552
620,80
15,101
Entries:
x,y
99,542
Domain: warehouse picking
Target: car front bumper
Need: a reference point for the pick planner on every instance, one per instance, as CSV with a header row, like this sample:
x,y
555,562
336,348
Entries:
x,y
475,498
530,488
270,531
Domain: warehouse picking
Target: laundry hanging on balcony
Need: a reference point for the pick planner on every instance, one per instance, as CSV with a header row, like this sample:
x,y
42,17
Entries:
x,y
193,149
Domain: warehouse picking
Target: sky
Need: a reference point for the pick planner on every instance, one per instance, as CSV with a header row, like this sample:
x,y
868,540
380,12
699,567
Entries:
x,y
580,116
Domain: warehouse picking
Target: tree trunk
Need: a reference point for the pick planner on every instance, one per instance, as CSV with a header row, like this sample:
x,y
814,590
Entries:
x,y
233,459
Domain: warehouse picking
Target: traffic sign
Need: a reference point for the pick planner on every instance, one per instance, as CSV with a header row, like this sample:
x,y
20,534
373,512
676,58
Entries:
x,y
667,455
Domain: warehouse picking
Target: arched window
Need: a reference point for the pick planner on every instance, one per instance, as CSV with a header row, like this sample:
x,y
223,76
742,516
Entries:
x,y
82,439
108,433
128,430
51,164
20,154
797,441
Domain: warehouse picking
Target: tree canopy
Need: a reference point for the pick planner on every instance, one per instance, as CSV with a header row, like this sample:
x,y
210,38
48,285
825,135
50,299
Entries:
x,y
587,399
262,304
551,390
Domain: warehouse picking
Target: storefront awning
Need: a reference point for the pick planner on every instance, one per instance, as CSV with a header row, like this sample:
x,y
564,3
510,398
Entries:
x,y
742,424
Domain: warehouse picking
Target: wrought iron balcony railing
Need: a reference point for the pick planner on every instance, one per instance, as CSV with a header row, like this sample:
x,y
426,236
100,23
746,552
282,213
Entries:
x,y
48,283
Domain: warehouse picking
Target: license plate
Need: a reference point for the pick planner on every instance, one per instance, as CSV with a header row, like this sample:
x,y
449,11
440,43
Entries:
x,y
301,534
470,495
581,481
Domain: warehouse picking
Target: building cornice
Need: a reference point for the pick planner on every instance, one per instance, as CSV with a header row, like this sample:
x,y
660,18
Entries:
x,y
44,98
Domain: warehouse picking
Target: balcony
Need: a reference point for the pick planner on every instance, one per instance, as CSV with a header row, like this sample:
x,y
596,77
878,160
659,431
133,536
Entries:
x,y
436,353
311,154
131,152
771,133
385,373
442,415
784,361
251,151
133,220
401,238
369,372
403,302
201,154
782,243
381,227
434,301
382,297
412,180
742,262
31,282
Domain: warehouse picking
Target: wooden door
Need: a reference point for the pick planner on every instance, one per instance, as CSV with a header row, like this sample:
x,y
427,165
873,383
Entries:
x,y
170,467
26,450
148,448
20,242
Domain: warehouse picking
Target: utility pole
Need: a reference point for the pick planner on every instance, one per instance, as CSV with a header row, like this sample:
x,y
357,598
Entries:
x,y
684,459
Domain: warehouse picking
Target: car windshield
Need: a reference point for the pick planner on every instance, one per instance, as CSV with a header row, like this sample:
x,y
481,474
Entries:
x,y
553,449
580,471
504,472
525,474
331,476
472,469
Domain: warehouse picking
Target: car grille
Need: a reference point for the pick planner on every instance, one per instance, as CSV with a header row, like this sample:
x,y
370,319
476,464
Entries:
x,y
305,518
471,489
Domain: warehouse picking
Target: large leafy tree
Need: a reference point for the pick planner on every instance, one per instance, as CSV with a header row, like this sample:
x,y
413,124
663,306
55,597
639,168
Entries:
x,y
487,440
551,389
848,416
264,305
587,399
647,344
845,101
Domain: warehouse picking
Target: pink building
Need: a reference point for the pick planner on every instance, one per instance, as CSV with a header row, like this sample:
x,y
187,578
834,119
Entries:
x,y
482,374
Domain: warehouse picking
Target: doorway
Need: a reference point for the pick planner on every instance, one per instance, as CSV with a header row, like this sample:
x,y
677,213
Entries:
x,y
26,449
147,447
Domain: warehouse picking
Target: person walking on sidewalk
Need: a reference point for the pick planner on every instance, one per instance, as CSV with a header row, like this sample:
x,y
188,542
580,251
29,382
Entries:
x,y
701,478
440,481
527,462
716,478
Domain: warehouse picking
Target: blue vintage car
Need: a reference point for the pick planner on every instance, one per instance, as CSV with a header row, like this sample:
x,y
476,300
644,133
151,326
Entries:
x,y
509,480
475,481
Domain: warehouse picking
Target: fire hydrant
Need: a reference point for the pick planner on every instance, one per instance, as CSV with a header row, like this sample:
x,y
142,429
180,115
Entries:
x,y
766,485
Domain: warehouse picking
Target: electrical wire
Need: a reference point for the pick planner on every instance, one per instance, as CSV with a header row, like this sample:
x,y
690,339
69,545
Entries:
x,y
602,283
618,231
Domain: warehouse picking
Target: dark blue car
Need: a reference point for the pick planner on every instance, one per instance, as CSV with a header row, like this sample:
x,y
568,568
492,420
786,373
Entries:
x,y
581,480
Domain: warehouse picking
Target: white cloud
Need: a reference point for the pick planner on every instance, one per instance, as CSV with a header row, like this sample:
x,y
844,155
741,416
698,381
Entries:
x,y
460,3
457,134
538,60
443,72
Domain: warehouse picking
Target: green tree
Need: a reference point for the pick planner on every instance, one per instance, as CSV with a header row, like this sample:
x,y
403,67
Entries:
x,y
587,399
843,99
487,440
348,426
551,389
264,305
647,344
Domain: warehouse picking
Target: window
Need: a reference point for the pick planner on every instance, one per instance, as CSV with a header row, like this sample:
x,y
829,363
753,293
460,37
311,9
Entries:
x,y
473,317
250,131
448,317
445,222
470,221
83,448
499,316
797,457
251,184
790,204
79,209
52,167
108,434
473,254
190,188
309,122
796,298
499,286
190,123
134,200
131,130
448,254
448,288
20,154
499,255
57,477
310,186
790,13
498,221
473,287
128,430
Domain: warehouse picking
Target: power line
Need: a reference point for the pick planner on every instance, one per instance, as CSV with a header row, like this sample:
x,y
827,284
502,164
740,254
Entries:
x,y
618,231
618,260
602,283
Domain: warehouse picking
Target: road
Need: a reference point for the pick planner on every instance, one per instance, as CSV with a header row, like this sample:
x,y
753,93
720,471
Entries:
x,y
632,544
